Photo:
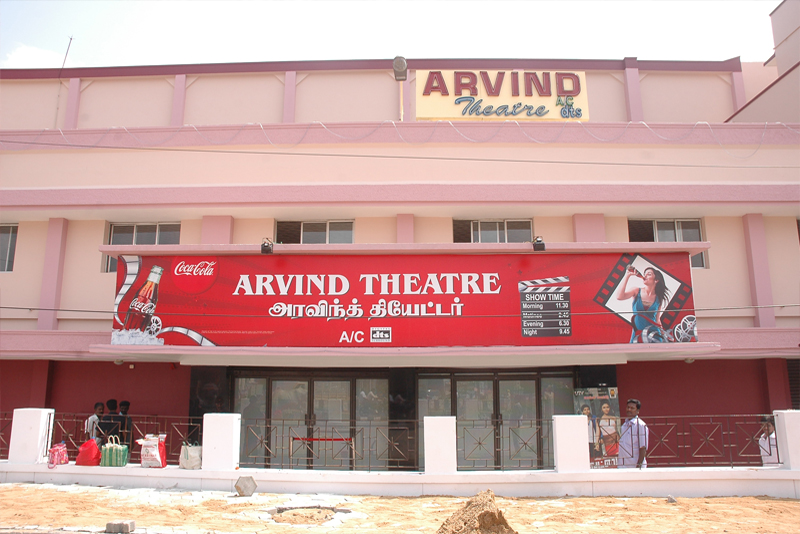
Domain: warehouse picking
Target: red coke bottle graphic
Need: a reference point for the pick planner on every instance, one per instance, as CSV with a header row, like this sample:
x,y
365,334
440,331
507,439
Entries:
x,y
143,304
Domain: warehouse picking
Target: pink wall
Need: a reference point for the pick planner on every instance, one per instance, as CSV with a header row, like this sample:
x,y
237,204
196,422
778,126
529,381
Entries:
x,y
700,388
152,388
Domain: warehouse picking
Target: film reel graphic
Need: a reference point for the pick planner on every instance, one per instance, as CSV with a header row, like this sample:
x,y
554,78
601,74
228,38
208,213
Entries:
x,y
671,329
154,327
683,332
686,330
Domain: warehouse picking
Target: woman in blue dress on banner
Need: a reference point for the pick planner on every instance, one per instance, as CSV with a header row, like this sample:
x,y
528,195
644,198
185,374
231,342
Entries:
x,y
648,304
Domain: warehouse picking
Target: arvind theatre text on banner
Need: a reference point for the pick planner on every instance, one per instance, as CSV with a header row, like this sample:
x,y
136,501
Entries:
x,y
504,95
404,300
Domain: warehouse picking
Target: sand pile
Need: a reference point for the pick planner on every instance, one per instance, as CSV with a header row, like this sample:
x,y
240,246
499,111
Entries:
x,y
479,516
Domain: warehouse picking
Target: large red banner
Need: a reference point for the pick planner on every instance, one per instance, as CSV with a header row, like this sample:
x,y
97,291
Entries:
x,y
404,300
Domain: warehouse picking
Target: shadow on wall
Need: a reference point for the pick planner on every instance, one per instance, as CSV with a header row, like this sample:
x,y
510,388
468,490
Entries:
x,y
74,387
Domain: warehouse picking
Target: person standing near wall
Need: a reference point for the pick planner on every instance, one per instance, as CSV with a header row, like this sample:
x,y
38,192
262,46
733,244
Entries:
x,y
767,442
634,438
90,427
111,423
126,428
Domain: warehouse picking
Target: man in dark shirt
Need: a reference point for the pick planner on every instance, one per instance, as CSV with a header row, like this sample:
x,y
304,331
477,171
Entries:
x,y
111,423
126,430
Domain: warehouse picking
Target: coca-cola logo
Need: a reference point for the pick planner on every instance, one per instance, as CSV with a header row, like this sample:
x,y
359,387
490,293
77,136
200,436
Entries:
x,y
201,268
194,274
143,306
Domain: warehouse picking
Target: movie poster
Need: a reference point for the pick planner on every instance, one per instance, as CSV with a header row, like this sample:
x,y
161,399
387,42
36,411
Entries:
x,y
601,408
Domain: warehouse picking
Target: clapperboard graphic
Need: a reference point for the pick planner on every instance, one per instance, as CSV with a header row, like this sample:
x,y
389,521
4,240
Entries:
x,y
545,307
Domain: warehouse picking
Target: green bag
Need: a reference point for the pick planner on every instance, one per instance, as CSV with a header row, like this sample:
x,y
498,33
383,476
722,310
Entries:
x,y
114,454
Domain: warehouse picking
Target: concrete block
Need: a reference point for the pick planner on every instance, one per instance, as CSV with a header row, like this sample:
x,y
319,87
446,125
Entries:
x,y
245,486
221,435
121,525
31,434
440,446
571,453
787,430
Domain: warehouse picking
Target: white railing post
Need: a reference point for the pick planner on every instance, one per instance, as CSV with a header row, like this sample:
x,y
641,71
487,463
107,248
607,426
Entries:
x,y
787,430
571,444
221,438
440,446
31,433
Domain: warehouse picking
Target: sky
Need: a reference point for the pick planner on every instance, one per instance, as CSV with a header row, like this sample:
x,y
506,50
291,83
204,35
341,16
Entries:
x,y
36,33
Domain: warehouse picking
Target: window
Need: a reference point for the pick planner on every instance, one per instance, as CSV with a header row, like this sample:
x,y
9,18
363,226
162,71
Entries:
x,y
295,232
8,245
492,231
668,231
142,234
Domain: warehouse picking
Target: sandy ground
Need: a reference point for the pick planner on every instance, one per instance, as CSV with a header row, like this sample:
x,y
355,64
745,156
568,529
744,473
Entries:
x,y
83,508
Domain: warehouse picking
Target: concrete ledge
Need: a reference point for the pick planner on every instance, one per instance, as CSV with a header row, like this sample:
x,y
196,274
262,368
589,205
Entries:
x,y
654,482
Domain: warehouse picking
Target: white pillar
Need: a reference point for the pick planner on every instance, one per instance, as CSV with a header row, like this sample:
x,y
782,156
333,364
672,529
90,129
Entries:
x,y
221,437
440,445
571,444
787,430
31,433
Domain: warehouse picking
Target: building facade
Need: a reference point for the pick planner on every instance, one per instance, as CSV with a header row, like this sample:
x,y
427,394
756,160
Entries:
x,y
348,172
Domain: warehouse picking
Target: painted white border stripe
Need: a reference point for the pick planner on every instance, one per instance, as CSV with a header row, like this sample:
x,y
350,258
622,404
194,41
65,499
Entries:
x,y
132,266
191,334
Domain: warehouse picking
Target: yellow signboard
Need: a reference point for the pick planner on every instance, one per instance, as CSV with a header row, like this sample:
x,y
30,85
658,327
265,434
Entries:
x,y
498,95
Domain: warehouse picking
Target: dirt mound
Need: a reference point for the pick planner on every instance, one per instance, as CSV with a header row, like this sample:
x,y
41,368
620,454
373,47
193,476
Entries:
x,y
479,515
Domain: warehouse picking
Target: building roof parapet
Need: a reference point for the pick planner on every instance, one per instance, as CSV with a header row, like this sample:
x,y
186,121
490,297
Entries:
x,y
744,197
729,65
764,93
290,135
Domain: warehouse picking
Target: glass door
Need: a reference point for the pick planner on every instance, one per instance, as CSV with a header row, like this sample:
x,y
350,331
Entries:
x,y
557,395
433,399
476,422
310,423
289,417
250,400
375,444
330,443
520,432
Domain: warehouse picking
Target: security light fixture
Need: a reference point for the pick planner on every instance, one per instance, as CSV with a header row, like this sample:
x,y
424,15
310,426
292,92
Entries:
x,y
538,244
400,67
266,246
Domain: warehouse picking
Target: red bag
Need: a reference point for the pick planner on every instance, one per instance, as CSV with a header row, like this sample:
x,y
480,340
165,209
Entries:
x,y
89,454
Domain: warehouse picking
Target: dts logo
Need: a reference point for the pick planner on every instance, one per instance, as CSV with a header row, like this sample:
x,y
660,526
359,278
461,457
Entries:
x,y
380,334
